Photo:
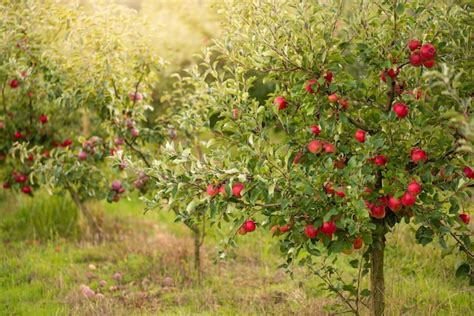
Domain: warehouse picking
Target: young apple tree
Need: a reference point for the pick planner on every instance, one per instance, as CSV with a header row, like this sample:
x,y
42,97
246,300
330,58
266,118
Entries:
x,y
70,98
366,127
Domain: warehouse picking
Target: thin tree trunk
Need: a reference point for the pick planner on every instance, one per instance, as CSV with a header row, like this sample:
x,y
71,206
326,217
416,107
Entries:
x,y
197,251
377,281
84,212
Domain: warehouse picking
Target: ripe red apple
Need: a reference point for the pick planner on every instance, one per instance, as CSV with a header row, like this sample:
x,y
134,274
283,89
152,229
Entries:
x,y
408,199
377,211
328,228
382,76
14,84
26,189
416,60
400,109
116,185
358,242
6,185
468,172
82,155
274,229
332,98
393,73
414,44
135,132
418,155
315,146
315,129
310,231
329,148
284,228
328,77
429,63
427,51
310,87
237,189
466,218
414,187
211,190
129,123
18,135
281,103
360,136
21,178
394,204
380,160
249,226
340,194
43,119
66,143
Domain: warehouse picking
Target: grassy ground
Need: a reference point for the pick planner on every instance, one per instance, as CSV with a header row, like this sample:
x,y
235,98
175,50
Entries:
x,y
154,257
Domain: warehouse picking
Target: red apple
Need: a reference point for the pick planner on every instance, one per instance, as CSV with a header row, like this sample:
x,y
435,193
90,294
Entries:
x,y
468,172
377,211
310,231
408,199
418,155
332,98
82,155
222,190
315,129
310,87
43,119
340,194
393,73
315,146
21,178
414,187
116,185
66,143
344,104
134,132
249,226
14,84
284,228
360,136
235,114
394,204
237,189
466,218
414,44
427,51
380,160
329,189
119,141
429,63
135,96
416,60
281,103
328,228
329,148
242,230
382,76
26,189
328,77
211,190
18,135
400,109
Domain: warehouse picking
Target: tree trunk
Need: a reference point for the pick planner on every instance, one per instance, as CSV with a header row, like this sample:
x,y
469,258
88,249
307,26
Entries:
x,y
377,282
197,251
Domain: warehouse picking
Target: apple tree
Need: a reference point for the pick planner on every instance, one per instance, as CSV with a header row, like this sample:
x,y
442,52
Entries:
x,y
367,126
70,77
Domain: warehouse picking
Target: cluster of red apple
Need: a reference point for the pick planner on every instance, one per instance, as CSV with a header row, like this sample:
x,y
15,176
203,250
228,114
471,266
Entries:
x,y
214,190
328,229
141,181
422,55
116,190
22,180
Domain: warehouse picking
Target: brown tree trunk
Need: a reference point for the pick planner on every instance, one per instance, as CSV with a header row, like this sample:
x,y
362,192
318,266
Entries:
x,y
377,281
197,251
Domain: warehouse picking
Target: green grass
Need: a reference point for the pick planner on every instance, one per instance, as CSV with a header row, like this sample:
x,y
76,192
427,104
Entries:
x,y
154,255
